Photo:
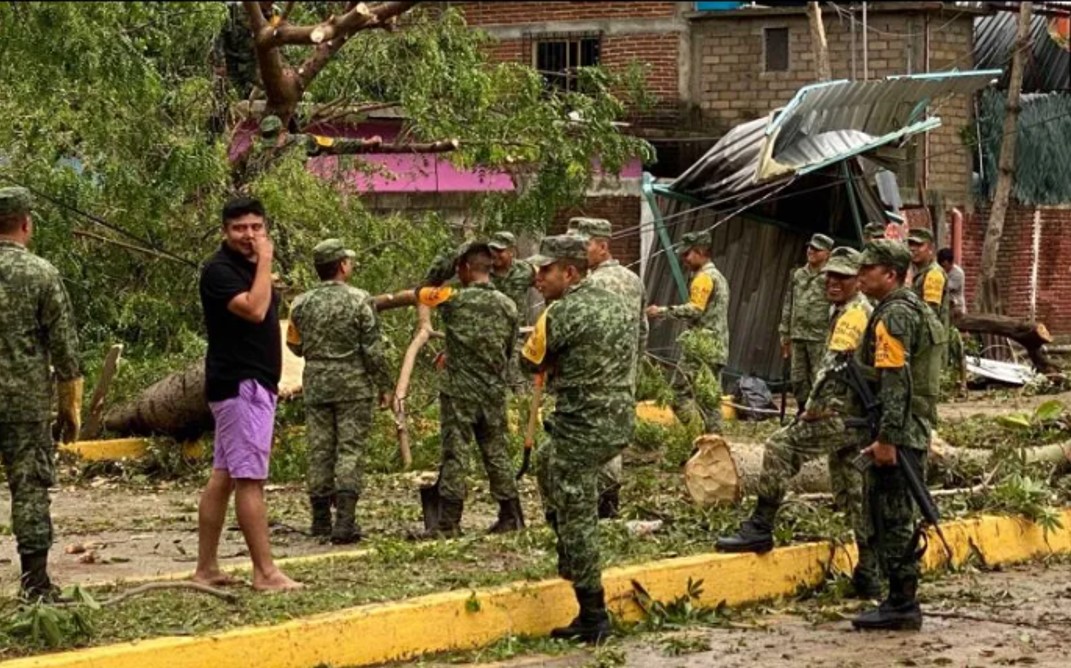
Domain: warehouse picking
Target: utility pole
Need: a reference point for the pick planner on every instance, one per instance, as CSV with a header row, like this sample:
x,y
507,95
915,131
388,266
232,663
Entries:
x,y
989,296
818,42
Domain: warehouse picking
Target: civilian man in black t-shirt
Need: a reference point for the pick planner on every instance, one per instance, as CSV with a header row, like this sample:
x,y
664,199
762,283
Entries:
x,y
242,370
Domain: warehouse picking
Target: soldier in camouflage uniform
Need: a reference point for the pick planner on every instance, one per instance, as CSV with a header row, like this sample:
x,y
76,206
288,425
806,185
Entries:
x,y
705,344
481,333
334,327
234,51
607,273
903,349
805,319
873,231
513,278
832,425
930,282
585,343
38,332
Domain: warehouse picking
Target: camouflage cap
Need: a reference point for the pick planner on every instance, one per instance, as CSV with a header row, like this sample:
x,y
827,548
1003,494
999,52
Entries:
x,y
559,247
919,235
886,252
591,227
15,201
695,239
330,250
821,242
843,261
502,241
874,230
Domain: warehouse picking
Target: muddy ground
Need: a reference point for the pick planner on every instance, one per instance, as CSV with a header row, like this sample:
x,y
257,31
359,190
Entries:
x,y
1018,617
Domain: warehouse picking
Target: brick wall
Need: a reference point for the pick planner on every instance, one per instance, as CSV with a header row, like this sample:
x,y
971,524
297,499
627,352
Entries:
x,y
1015,262
625,40
622,212
730,84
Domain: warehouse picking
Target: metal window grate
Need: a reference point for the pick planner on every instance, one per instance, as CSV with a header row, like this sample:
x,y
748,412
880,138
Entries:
x,y
558,56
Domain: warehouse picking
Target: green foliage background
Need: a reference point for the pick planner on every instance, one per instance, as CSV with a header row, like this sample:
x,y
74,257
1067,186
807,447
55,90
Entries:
x,y
113,109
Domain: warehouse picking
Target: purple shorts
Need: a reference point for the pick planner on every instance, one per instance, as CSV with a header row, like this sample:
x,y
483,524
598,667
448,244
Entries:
x,y
244,426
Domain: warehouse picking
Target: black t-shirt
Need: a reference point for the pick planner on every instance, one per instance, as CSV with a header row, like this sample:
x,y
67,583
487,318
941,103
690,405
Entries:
x,y
237,349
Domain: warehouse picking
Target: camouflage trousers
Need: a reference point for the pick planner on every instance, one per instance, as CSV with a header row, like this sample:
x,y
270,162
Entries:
x,y
26,450
806,359
891,515
567,473
337,434
460,423
697,386
788,449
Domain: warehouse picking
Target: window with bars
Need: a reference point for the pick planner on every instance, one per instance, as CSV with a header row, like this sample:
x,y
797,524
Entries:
x,y
558,57
775,49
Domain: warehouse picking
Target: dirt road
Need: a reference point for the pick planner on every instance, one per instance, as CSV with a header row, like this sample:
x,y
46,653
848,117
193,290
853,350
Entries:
x,y
1018,617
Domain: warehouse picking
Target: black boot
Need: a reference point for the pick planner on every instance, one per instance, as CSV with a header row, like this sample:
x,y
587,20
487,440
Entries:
x,y
610,502
447,524
346,530
592,625
510,517
321,516
899,612
35,584
755,534
866,577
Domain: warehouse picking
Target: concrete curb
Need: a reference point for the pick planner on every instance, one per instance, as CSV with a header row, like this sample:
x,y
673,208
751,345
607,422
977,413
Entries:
x,y
456,620
120,448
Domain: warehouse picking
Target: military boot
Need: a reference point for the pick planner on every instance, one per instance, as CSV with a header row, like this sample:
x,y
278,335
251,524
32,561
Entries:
x,y
610,502
321,516
592,625
346,530
899,612
866,577
447,524
510,517
34,584
755,534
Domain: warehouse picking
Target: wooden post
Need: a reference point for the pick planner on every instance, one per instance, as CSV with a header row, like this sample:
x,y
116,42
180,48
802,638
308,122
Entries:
x,y
818,42
95,422
989,295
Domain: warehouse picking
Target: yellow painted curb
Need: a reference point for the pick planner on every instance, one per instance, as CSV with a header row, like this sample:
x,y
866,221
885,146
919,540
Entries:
x,y
456,620
120,448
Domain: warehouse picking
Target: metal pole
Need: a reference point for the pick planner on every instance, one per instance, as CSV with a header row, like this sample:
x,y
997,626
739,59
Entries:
x,y
663,237
866,54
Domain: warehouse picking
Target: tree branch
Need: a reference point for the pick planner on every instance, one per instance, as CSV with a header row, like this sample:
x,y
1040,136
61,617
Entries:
x,y
281,85
332,35
335,146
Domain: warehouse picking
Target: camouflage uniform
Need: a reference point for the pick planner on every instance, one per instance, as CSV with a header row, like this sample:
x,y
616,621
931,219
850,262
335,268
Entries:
x,y
805,322
515,283
334,326
38,332
903,349
587,343
481,330
704,345
611,276
234,48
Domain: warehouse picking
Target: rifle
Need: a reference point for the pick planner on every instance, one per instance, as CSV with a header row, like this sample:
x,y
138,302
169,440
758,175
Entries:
x,y
786,371
906,459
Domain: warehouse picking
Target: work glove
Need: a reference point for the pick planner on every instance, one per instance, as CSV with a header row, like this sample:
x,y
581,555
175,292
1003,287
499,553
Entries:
x,y
69,393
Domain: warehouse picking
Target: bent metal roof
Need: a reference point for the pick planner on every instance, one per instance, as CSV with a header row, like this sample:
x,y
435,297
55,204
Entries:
x,y
823,124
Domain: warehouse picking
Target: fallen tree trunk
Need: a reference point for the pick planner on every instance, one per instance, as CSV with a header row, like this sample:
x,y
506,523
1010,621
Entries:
x,y
176,405
1030,335
946,465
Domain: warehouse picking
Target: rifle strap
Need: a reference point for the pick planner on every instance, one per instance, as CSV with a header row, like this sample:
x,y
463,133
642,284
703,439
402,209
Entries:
x,y
919,543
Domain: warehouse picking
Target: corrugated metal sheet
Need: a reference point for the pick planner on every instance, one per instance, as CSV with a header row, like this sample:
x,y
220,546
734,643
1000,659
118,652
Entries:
x,y
1047,70
824,123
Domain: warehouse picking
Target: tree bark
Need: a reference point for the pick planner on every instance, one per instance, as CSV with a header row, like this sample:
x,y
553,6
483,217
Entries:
x,y
1030,335
818,42
174,406
989,294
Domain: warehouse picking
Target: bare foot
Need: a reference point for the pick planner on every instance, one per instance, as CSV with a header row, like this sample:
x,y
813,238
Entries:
x,y
277,581
215,578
